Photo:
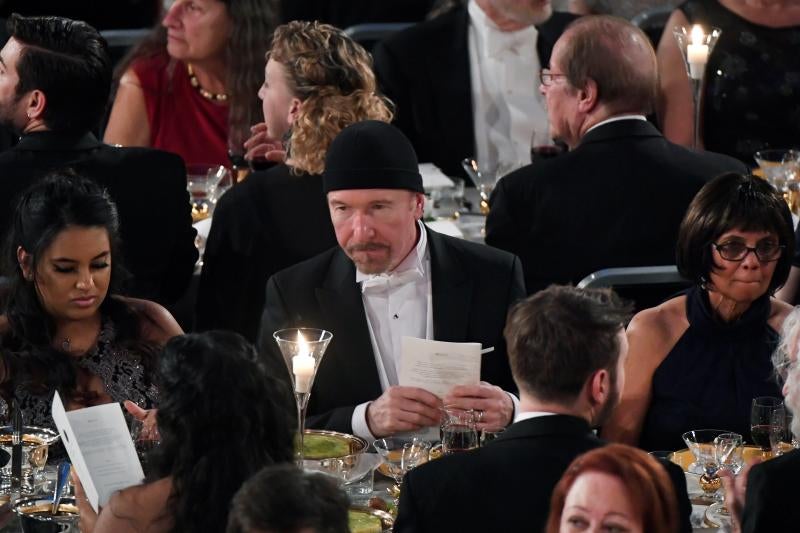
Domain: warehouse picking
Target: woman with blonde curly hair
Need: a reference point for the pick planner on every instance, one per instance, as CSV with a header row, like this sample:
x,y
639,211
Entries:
x,y
614,488
317,81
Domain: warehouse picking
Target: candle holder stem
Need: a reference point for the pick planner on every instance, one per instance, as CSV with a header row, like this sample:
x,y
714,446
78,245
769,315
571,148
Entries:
x,y
697,97
302,404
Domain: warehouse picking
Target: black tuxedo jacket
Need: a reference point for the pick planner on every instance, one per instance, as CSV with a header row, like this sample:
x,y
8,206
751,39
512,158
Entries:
x,y
258,229
473,287
771,497
507,483
616,200
149,188
425,71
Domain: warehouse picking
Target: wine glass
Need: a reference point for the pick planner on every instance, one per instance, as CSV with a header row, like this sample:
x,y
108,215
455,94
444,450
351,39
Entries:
x,y
762,422
459,430
543,147
703,448
399,457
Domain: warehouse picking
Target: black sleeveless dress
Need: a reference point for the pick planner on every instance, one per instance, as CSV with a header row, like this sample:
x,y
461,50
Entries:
x,y
752,95
710,377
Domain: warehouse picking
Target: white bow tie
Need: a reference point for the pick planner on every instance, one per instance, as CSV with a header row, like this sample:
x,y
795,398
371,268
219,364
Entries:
x,y
499,43
381,282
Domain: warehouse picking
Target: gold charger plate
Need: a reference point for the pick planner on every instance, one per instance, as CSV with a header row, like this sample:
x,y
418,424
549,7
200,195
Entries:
x,y
345,443
684,457
383,468
387,522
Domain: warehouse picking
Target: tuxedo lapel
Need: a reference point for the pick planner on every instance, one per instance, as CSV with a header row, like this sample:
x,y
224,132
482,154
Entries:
x,y
352,358
451,291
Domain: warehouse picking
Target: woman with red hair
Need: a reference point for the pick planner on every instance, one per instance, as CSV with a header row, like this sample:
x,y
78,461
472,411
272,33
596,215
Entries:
x,y
614,488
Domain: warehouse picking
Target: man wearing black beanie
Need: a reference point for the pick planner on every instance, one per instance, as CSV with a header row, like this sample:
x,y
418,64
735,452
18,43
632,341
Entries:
x,y
390,277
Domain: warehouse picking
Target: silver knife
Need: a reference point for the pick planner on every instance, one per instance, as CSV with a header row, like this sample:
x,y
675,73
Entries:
x,y
16,450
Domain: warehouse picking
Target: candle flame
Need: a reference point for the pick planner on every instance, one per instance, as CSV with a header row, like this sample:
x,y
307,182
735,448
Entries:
x,y
698,35
302,345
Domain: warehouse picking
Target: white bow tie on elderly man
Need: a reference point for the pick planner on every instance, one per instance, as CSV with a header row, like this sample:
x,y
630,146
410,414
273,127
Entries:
x,y
381,282
499,43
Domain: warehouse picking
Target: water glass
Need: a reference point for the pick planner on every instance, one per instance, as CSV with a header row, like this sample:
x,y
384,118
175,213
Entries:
x,y
728,448
764,423
459,430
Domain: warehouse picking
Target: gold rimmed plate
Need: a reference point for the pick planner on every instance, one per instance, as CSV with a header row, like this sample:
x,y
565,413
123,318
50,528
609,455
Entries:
x,y
684,457
320,444
369,520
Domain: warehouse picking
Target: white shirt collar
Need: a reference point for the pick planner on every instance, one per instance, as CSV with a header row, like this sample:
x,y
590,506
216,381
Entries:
x,y
493,42
531,414
616,119
414,261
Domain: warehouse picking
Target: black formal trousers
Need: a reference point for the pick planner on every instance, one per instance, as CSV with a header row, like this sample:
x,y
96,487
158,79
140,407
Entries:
x,y
771,496
506,485
425,71
270,221
473,287
148,187
616,200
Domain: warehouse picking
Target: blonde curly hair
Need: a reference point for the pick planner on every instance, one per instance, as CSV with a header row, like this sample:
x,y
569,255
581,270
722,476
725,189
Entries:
x,y
332,75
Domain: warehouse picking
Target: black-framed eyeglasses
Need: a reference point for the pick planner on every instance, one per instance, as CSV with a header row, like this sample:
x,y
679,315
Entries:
x,y
766,252
547,77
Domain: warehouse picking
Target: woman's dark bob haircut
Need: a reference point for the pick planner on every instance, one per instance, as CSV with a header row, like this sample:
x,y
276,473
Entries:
x,y
733,202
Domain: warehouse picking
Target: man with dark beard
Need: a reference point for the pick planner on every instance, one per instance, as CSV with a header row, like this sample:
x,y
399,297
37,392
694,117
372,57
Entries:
x,y
567,349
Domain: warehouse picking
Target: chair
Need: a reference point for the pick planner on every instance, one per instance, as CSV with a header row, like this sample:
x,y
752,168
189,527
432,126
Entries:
x,y
120,41
646,286
368,35
652,22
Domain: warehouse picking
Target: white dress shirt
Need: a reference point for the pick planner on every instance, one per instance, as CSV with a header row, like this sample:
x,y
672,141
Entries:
x,y
507,105
617,119
398,304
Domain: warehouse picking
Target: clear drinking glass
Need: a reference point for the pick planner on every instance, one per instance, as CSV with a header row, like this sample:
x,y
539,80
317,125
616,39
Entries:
x,y
764,423
206,184
777,433
459,430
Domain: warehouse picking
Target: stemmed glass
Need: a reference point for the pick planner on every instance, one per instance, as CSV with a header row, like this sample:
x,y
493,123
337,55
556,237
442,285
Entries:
x,y
400,457
702,444
302,350
767,418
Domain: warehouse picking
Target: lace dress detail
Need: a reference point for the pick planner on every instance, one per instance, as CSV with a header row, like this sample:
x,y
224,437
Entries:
x,y
121,371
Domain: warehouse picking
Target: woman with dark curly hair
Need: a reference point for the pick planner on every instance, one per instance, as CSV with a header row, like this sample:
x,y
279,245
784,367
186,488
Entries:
x,y
221,418
191,88
698,360
614,488
317,81
62,328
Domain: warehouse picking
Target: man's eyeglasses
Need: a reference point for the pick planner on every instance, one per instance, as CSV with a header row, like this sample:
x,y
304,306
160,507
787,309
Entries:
x,y
547,77
736,251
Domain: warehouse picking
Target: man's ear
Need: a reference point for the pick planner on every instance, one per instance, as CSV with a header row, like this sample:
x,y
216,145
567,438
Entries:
x,y
599,387
25,263
588,96
37,102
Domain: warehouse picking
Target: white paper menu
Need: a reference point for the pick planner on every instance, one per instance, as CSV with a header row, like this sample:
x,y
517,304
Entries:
x,y
100,448
437,366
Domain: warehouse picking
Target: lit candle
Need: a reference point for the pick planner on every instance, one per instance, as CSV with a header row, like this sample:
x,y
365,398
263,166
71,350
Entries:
x,y
302,366
697,53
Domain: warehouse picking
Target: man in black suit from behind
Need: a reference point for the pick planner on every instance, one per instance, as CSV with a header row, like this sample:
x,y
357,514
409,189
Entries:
x,y
567,349
390,277
463,82
54,87
617,197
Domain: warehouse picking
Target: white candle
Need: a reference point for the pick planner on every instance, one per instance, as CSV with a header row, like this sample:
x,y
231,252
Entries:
x,y
302,366
697,53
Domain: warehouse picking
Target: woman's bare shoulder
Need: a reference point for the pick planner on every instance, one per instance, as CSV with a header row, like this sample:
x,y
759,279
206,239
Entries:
x,y
156,324
778,312
657,329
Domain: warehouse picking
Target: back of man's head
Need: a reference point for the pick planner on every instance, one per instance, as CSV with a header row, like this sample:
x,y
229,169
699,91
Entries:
x,y
285,499
68,61
619,58
560,336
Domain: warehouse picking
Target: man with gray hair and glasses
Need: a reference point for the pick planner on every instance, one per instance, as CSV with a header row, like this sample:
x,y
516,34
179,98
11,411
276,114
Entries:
x,y
764,498
616,199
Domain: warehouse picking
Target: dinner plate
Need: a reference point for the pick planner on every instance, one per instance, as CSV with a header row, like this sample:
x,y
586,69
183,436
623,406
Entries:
x,y
387,522
684,458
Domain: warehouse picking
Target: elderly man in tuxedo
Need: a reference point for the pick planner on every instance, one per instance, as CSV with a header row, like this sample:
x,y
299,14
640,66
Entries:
x,y
567,349
391,277
464,82
54,87
616,199
763,497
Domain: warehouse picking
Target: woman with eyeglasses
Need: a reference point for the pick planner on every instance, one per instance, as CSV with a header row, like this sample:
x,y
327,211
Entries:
x,y
697,360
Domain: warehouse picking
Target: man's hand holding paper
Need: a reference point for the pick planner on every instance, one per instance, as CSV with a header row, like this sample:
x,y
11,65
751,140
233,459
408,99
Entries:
x,y
401,409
